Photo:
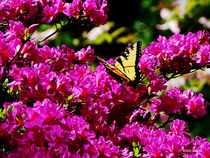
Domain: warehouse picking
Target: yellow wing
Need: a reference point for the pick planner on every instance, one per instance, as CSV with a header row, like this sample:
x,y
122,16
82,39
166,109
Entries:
x,y
127,63
113,70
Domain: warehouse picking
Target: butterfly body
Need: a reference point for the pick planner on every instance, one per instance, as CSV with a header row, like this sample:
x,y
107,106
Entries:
x,y
126,66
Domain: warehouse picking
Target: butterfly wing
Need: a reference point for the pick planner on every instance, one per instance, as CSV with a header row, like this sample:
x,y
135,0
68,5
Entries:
x,y
127,63
115,72
126,66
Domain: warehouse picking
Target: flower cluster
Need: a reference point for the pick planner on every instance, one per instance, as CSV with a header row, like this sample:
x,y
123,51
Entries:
x,y
174,101
177,55
95,9
60,108
51,131
34,12
175,142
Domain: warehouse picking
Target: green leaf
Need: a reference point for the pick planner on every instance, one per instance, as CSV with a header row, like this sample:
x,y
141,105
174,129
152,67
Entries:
x,y
27,35
9,91
3,113
134,144
136,149
69,98
10,108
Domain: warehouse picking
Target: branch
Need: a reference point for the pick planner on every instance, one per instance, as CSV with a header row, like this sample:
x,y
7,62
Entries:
x,y
57,30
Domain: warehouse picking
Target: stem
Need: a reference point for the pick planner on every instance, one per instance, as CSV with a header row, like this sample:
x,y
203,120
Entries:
x,y
50,35
57,30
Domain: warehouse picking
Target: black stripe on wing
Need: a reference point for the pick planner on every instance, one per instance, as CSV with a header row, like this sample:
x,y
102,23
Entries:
x,y
138,56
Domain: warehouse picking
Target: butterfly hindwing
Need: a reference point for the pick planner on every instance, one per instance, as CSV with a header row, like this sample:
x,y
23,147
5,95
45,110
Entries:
x,y
126,66
113,70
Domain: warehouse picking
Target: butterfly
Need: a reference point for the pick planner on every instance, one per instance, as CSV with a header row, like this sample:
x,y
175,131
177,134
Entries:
x,y
126,66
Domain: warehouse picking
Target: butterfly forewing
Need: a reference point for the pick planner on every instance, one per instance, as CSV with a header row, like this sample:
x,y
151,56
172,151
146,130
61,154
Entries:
x,y
127,63
126,66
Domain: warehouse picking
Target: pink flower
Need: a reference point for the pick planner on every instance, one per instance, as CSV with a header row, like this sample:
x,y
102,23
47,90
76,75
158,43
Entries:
x,y
203,55
147,64
170,103
177,127
200,148
156,83
49,13
17,30
42,113
97,10
73,9
104,148
8,50
196,106
84,56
